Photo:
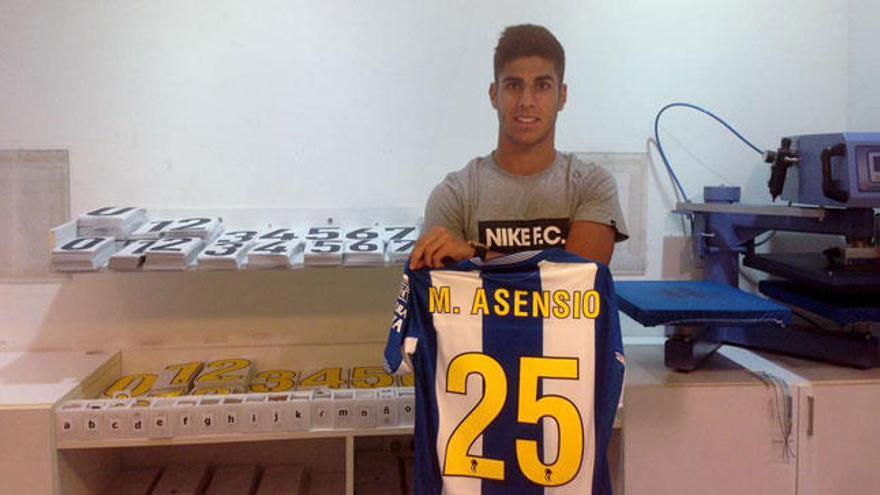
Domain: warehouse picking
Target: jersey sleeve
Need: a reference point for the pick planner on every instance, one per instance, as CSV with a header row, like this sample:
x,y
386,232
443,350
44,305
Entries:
x,y
610,371
406,327
598,201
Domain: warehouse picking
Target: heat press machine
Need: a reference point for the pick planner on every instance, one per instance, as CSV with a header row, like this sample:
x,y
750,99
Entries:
x,y
832,185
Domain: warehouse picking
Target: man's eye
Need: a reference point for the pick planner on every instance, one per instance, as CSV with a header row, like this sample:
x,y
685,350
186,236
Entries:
x,y
512,85
544,85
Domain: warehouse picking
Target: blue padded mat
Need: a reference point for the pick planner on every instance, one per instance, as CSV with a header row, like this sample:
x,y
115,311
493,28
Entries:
x,y
684,302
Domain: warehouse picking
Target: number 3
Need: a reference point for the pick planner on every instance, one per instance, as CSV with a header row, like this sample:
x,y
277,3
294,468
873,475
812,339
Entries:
x,y
532,409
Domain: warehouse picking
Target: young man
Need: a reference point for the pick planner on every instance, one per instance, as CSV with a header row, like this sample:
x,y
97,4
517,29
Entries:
x,y
525,195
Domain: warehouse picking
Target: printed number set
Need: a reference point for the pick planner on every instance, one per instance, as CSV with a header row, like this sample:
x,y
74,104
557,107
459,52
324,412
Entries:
x,y
226,396
124,239
237,375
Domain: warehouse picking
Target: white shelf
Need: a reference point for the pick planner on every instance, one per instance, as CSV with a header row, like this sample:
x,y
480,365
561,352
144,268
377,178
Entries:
x,y
229,438
44,378
293,269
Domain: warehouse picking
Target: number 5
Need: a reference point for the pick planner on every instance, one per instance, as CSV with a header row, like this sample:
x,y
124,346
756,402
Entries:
x,y
566,415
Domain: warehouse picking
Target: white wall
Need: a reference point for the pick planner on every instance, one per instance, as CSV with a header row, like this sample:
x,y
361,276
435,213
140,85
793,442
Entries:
x,y
210,104
349,103
863,97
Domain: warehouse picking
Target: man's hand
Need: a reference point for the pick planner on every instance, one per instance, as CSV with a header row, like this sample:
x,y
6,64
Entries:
x,y
437,246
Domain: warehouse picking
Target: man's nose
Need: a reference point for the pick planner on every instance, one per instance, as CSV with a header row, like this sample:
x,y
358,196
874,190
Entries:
x,y
527,97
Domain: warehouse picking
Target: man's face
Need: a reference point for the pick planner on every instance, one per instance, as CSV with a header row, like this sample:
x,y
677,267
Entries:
x,y
527,96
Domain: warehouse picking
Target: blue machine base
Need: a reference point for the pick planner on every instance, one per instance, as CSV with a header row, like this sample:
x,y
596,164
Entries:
x,y
860,350
813,270
840,308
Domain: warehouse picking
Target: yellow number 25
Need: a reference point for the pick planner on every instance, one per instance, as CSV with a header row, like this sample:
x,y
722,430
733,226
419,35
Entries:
x,y
532,409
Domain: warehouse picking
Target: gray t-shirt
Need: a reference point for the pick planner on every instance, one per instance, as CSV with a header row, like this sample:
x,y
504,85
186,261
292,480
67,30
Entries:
x,y
483,202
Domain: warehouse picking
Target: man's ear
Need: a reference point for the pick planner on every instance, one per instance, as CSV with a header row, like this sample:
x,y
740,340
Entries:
x,y
493,95
563,96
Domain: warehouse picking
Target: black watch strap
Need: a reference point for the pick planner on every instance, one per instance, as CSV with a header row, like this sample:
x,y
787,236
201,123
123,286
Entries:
x,y
480,250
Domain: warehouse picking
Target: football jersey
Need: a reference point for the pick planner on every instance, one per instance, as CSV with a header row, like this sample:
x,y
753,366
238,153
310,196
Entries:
x,y
518,365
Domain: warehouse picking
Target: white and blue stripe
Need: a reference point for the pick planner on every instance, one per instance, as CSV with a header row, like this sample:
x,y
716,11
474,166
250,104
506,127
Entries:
x,y
439,338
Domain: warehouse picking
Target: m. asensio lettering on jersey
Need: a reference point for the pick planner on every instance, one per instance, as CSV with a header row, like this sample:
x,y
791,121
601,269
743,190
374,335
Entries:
x,y
558,304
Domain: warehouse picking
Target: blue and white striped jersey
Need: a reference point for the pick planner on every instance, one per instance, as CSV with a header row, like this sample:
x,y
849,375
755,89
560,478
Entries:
x,y
519,367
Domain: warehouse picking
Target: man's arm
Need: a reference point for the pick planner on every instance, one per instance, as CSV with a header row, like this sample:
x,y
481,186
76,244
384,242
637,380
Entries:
x,y
591,240
598,219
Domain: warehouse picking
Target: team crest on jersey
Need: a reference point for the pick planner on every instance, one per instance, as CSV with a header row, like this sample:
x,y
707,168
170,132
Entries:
x,y
403,295
522,235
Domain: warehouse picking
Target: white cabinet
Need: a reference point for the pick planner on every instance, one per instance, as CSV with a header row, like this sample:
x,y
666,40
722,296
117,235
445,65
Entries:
x,y
720,428
839,428
30,384
713,430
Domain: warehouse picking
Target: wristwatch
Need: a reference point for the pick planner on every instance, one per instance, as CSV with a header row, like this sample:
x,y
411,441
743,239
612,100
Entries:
x,y
480,250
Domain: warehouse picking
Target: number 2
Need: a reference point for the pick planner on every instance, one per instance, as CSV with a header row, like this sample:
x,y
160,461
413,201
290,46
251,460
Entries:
x,y
458,462
223,370
170,245
532,409
189,223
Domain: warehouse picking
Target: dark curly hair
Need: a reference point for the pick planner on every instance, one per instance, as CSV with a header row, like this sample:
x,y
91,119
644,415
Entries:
x,y
527,40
